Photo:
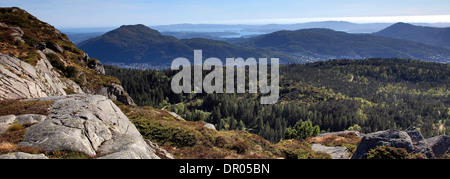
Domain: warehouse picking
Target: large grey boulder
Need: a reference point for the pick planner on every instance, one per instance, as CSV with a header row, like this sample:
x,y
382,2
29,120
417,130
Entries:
x,y
411,140
440,145
92,124
391,138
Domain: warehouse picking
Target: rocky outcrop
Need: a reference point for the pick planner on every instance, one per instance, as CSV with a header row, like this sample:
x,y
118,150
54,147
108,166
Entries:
x,y
412,141
336,152
440,145
22,155
91,124
45,46
420,144
19,80
34,76
114,92
16,33
6,121
96,66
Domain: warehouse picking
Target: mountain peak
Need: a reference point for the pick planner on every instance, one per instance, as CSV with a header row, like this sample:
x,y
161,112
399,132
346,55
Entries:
x,y
401,25
136,25
427,35
138,28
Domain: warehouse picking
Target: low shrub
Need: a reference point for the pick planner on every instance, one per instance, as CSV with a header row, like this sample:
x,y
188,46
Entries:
x,y
385,152
14,134
294,149
16,127
62,154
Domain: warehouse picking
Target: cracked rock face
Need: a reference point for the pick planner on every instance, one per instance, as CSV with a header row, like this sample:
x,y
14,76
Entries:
x,y
20,80
92,124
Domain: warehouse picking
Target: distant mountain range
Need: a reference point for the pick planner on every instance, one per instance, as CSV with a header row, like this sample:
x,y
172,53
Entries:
x,y
268,28
225,32
141,44
334,25
427,35
334,44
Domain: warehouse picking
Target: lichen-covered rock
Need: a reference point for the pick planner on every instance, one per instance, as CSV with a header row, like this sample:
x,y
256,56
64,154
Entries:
x,y
22,155
92,124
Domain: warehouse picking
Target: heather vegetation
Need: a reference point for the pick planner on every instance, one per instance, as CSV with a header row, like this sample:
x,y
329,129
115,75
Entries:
x,y
190,139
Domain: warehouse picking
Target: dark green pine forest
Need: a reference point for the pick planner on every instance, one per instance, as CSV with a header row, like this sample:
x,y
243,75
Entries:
x,y
364,95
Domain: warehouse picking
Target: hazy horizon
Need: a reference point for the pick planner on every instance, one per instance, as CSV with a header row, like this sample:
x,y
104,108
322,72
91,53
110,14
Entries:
x,y
113,13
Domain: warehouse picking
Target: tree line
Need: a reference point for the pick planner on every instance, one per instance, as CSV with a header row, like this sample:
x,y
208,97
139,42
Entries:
x,y
373,94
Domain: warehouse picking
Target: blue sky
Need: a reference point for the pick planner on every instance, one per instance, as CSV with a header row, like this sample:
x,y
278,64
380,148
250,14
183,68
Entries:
x,y
104,13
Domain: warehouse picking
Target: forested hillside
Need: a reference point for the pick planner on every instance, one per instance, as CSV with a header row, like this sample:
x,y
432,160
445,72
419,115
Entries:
x,y
141,44
365,95
327,44
427,35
